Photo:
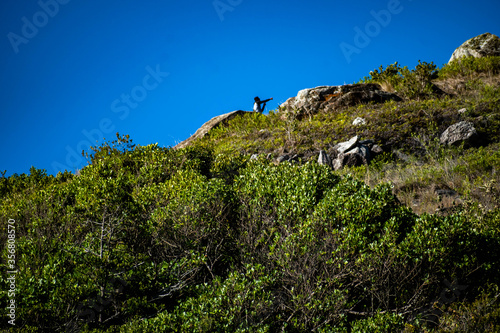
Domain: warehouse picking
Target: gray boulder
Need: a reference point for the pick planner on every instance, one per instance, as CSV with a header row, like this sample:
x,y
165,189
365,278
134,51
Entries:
x,y
352,153
308,101
354,94
364,152
346,146
480,46
355,157
283,158
463,131
327,98
324,159
351,159
337,164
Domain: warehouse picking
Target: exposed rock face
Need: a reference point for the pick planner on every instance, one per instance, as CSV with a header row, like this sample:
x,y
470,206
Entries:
x,y
308,101
324,159
354,94
459,132
311,101
481,46
346,146
209,125
350,153
350,158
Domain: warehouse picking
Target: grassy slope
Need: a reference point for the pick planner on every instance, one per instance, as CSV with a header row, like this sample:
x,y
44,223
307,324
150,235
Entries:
x,y
410,128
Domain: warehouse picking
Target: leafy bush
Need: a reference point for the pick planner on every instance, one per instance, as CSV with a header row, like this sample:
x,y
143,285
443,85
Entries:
x,y
240,303
230,244
391,75
83,236
380,322
470,66
411,84
417,83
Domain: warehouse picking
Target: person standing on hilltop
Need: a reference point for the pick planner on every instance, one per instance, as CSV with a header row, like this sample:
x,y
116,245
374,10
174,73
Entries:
x,y
257,105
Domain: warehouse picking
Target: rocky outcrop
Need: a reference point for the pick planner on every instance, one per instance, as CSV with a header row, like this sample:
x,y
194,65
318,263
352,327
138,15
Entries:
x,y
350,153
328,98
481,46
343,147
283,158
463,131
288,158
209,125
308,101
354,94
324,159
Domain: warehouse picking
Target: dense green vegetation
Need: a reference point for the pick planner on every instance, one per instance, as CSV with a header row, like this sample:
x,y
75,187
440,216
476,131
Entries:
x,y
206,239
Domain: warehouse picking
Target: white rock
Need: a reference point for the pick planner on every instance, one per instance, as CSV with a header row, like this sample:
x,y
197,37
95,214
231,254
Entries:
x,y
359,121
458,132
480,46
348,145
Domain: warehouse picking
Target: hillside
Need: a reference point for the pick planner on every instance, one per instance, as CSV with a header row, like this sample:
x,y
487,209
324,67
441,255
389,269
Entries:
x,y
408,131
354,208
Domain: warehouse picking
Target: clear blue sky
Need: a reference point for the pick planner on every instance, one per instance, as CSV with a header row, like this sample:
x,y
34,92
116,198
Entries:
x,y
76,70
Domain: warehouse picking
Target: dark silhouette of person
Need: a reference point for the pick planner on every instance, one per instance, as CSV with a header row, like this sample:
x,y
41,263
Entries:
x,y
257,105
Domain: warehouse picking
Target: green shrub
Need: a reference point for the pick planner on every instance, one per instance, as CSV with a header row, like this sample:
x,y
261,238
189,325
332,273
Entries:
x,y
470,66
391,75
242,302
380,322
411,84
417,83
227,166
